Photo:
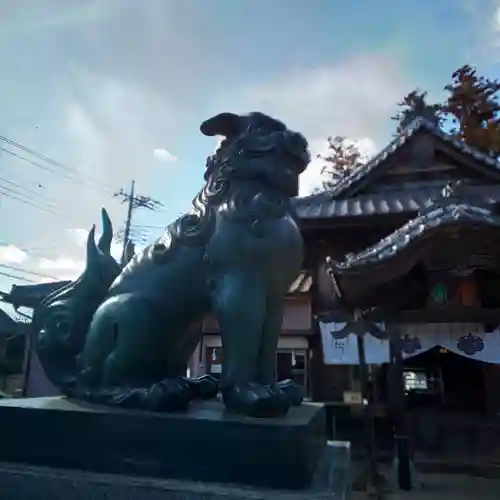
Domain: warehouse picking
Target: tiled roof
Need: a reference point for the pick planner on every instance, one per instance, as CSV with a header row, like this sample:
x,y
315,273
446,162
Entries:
x,y
390,202
373,204
400,140
302,284
31,295
434,217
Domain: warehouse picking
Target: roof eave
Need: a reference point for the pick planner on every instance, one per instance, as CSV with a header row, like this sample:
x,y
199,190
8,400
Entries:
x,y
371,268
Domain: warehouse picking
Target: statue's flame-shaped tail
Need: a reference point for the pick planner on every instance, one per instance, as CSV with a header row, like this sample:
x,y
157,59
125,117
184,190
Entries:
x,y
62,320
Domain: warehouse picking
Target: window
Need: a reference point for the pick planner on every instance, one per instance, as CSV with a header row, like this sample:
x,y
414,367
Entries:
x,y
415,381
213,360
290,364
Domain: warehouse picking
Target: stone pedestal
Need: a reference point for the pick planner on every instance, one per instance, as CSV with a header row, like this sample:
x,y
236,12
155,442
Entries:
x,y
21,482
74,441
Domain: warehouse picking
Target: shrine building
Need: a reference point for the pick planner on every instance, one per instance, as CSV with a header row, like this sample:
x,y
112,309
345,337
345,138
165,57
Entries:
x,y
414,238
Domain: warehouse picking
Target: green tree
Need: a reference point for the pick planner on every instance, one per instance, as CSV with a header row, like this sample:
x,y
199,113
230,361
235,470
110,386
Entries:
x,y
414,105
473,104
342,157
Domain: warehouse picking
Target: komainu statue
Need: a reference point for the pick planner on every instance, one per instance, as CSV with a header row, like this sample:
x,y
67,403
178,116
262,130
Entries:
x,y
122,337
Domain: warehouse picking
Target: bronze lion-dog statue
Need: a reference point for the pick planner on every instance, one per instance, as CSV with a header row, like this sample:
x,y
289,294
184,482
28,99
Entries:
x,y
122,337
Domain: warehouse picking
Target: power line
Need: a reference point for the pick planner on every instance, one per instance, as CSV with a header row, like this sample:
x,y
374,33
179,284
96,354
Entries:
x,y
21,270
44,158
146,226
79,180
134,235
21,197
28,190
52,209
68,173
20,278
45,204
36,154
34,251
14,195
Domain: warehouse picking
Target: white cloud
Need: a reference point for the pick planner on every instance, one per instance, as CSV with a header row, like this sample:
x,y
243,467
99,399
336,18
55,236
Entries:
x,y
61,264
312,178
354,98
63,276
367,147
164,155
70,262
10,254
61,268
79,238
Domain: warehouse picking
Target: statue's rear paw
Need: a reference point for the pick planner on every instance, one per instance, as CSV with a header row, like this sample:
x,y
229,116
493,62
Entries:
x,y
170,395
294,392
257,401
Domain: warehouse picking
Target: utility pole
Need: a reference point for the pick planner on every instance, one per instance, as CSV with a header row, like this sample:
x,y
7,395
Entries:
x,y
128,221
134,201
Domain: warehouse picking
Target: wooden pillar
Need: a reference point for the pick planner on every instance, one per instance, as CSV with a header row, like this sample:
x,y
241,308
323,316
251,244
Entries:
x,y
491,383
397,408
373,487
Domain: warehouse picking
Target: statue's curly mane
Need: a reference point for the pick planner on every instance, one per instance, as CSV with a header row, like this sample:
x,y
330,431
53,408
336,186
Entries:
x,y
246,157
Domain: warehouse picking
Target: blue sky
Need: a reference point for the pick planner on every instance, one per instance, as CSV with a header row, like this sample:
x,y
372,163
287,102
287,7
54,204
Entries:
x,y
100,85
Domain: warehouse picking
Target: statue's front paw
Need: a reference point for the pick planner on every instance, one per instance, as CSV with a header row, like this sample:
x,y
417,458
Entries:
x,y
294,392
256,401
205,387
170,395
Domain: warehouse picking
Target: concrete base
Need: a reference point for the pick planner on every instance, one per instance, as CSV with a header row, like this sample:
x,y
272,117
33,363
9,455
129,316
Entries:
x,y
331,481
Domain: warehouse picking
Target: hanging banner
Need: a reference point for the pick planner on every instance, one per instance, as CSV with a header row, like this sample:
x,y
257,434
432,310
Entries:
x,y
470,340
416,339
465,339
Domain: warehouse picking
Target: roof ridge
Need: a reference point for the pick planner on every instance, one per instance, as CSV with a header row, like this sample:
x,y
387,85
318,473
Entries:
x,y
415,125
396,142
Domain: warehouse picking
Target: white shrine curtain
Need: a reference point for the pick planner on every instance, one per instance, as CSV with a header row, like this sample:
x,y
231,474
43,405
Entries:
x,y
466,339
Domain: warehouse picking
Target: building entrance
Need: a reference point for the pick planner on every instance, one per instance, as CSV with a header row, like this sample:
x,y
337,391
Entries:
x,y
440,378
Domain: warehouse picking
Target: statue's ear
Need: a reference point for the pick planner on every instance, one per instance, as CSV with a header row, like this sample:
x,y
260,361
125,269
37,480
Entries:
x,y
225,124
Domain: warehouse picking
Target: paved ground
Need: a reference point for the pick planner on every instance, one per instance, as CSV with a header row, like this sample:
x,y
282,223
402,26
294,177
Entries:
x,y
446,487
